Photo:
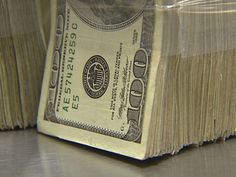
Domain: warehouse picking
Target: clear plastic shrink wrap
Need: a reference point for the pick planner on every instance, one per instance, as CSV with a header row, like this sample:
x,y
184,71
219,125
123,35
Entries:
x,y
140,78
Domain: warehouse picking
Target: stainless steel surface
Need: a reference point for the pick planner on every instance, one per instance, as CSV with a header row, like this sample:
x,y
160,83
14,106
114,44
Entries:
x,y
28,154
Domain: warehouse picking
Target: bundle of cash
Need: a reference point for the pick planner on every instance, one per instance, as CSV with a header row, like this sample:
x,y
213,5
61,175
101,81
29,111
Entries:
x,y
22,55
140,78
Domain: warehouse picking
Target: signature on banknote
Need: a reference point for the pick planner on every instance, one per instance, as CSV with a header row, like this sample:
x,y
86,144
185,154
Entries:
x,y
124,92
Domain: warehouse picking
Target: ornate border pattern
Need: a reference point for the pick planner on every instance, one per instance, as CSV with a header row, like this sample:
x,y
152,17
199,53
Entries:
x,y
135,131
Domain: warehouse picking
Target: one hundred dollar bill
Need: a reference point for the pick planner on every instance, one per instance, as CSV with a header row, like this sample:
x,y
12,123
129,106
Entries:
x,y
99,85
140,78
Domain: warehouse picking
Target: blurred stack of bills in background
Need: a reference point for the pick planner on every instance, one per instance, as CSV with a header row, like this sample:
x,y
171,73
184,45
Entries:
x,y
23,41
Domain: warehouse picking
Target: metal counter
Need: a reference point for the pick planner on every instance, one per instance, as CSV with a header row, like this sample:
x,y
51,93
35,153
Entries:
x,y
29,154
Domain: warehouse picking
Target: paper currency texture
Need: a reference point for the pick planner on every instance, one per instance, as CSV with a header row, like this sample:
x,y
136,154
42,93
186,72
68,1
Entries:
x,y
117,74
